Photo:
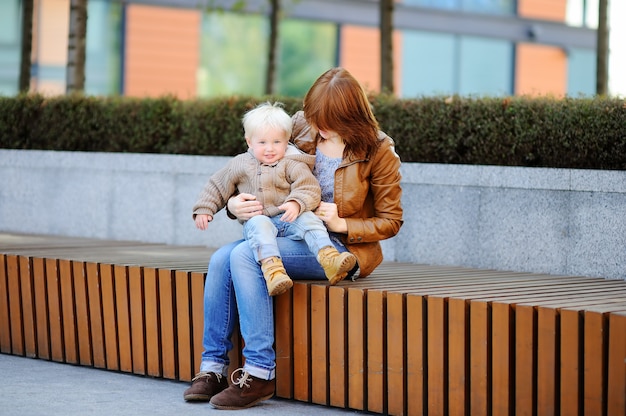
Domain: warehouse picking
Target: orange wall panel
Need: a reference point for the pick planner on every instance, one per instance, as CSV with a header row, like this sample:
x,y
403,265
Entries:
x,y
162,47
542,9
540,70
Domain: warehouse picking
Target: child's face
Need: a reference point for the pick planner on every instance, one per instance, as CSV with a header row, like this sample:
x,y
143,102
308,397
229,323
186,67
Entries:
x,y
268,145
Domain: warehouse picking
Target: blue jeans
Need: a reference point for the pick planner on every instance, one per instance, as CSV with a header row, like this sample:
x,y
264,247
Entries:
x,y
261,232
235,289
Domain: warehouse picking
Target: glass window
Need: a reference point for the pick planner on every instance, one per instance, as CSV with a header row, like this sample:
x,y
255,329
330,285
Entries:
x,y
103,48
428,64
485,66
581,72
475,6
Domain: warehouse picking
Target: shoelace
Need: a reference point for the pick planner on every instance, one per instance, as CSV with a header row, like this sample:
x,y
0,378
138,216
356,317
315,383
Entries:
x,y
241,381
207,375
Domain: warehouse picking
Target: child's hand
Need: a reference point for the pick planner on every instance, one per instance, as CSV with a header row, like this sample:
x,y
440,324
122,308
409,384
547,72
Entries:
x,y
292,210
202,221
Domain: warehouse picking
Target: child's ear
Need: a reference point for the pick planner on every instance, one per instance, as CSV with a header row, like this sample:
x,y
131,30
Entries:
x,y
248,141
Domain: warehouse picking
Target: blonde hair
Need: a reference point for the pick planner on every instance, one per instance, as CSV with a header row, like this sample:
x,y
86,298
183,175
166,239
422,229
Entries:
x,y
337,102
267,115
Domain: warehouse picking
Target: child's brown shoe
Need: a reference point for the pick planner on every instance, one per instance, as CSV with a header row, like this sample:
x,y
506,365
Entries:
x,y
336,265
276,277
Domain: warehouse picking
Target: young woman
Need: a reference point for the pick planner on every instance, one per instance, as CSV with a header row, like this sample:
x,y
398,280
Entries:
x,y
359,173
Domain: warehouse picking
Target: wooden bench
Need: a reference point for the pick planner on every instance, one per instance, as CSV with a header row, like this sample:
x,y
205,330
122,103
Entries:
x,y
410,339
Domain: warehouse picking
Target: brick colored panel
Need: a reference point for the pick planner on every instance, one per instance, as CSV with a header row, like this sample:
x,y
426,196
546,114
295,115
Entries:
x,y
95,314
337,338
540,70
151,311
542,9
53,29
5,322
54,311
458,341
616,385
416,348
41,311
437,351
356,351
525,363
360,54
197,317
28,307
122,309
82,313
168,337
301,342
109,316
396,353
546,361
183,325
319,344
136,299
283,310
571,362
501,359
15,306
376,351
162,51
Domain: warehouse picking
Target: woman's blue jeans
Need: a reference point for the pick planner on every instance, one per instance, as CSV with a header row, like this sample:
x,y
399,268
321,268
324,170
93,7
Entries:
x,y
235,289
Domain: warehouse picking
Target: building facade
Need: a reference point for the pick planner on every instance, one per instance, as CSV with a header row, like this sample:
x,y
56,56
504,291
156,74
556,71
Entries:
x,y
147,48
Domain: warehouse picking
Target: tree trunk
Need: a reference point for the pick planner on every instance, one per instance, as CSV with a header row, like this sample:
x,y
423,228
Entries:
x,y
75,75
270,87
386,46
602,50
27,45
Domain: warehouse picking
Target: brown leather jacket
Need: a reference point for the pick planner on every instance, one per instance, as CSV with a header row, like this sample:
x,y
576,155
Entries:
x,y
367,194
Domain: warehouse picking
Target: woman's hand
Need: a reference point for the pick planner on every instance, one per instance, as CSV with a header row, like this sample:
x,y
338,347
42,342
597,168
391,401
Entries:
x,y
202,221
328,213
244,206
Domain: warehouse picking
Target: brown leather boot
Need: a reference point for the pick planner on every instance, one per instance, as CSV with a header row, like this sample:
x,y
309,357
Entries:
x,y
244,392
336,265
275,276
204,386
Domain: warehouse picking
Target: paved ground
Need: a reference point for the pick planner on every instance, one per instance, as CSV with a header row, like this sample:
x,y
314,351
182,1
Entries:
x,y
36,387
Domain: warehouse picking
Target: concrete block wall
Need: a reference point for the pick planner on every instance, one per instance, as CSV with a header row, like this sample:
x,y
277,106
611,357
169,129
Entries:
x,y
553,221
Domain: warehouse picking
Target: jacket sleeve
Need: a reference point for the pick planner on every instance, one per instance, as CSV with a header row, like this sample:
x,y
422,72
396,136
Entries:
x,y
305,189
215,194
385,219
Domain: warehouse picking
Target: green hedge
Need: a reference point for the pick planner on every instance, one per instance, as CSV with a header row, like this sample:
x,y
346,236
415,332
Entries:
x,y
586,133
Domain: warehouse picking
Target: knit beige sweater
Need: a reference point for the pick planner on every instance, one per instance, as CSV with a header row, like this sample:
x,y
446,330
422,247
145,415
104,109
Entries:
x,y
290,179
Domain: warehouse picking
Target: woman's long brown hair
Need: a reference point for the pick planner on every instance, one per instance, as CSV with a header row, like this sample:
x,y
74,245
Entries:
x,y
337,102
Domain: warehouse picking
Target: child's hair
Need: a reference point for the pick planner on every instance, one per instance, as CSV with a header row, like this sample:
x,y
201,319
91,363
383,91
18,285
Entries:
x,y
267,115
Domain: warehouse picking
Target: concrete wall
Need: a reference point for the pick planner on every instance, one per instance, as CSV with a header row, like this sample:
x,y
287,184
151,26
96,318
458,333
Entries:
x,y
553,221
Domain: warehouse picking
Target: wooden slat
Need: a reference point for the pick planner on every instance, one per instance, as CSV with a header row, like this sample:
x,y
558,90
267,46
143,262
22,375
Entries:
x,y
301,342
283,312
319,344
376,351
5,321
57,349
357,336
28,307
337,341
41,309
616,383
396,353
458,323
183,325
479,357
525,362
197,317
137,322
437,351
15,306
167,321
122,309
81,302
416,355
152,321
96,320
594,361
502,359
70,344
548,382
571,353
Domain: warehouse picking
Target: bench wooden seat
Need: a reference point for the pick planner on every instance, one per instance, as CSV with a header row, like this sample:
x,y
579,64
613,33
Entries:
x,y
410,339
